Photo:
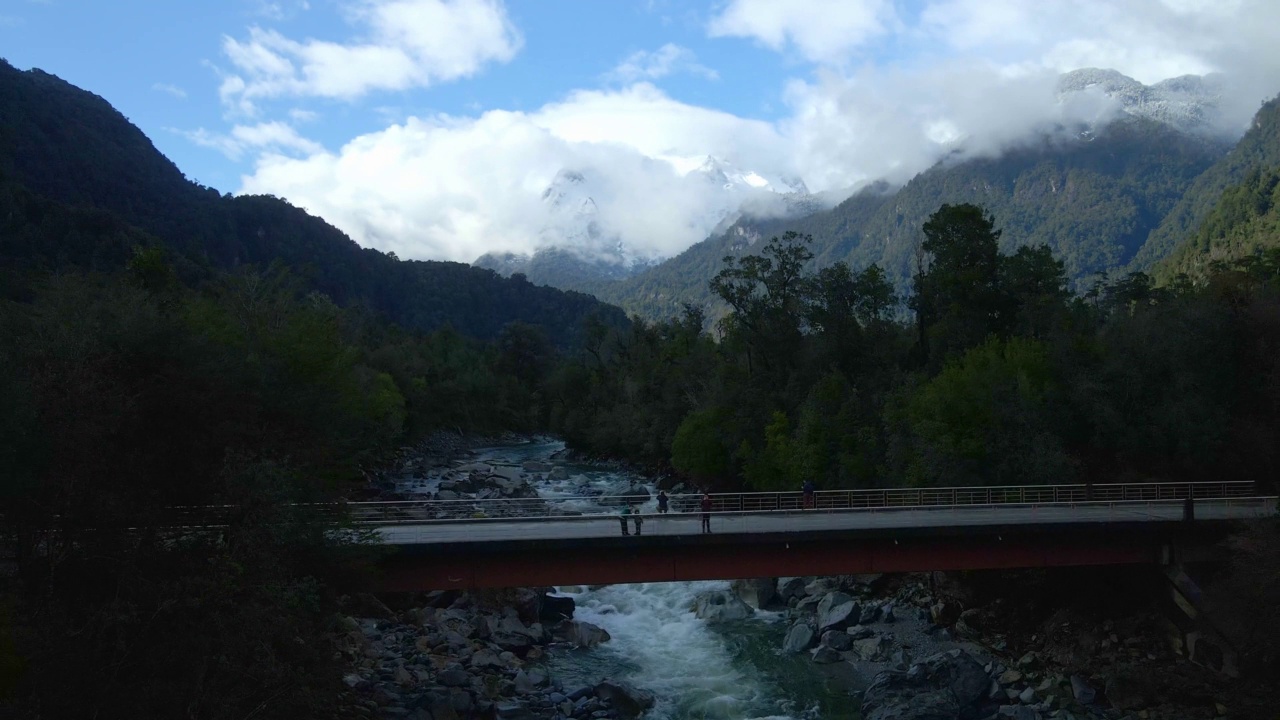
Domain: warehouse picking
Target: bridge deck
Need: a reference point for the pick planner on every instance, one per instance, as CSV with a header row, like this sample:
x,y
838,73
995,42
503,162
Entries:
x,y
783,522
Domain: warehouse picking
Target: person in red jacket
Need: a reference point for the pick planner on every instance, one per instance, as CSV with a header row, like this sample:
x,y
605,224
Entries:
x,y
706,512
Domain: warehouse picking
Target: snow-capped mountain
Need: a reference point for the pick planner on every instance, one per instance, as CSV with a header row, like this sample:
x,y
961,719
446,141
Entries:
x,y
1189,103
576,237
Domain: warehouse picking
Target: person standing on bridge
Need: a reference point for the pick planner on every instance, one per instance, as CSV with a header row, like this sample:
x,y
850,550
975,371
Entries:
x,y
622,516
807,489
637,518
706,512
662,502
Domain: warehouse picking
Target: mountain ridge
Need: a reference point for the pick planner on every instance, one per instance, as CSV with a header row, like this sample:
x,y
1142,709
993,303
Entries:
x,y
72,147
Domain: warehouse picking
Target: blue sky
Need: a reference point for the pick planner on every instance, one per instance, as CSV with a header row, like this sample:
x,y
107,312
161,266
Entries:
x,y
431,127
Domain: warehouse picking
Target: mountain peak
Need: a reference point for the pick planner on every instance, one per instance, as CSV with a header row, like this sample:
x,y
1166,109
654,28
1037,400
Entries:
x,y
1188,103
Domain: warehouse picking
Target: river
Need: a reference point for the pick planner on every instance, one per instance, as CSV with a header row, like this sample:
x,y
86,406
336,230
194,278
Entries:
x,y
696,670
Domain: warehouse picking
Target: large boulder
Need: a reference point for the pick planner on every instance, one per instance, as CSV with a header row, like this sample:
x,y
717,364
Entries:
x,y
759,593
838,617
630,701
556,608
721,605
837,640
824,655
799,638
791,587
871,649
941,687
581,634
558,473
1082,691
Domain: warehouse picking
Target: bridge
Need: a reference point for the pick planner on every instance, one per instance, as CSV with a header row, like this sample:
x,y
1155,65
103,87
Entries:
x,y
510,542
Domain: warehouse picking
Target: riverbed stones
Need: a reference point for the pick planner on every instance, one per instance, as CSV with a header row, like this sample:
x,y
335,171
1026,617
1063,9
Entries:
x,y
799,638
790,587
1082,691
946,685
626,698
825,655
453,676
837,640
836,611
721,606
870,649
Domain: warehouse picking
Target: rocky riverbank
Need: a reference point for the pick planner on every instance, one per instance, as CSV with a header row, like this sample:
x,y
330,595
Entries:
x,y
452,655
911,655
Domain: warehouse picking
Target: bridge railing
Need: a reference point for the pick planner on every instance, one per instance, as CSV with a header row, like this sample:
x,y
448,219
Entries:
x,y
428,510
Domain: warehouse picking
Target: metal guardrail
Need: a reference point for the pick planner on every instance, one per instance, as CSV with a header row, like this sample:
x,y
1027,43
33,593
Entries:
x,y
798,520
479,510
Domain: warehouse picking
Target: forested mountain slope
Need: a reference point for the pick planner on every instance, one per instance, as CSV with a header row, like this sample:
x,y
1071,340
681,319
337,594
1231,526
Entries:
x,y
1245,222
1259,149
1093,199
71,147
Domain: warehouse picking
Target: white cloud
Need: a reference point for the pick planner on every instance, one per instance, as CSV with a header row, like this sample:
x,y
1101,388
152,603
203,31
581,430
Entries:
x,y
825,31
277,11
173,90
271,137
451,187
666,60
405,44
974,77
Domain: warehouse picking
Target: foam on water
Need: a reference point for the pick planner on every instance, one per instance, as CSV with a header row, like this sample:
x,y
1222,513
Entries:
x,y
660,645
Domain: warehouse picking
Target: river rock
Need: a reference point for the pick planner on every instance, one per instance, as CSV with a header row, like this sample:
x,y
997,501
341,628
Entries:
x,y
825,655
1082,690
799,638
637,494
1009,677
858,632
453,676
869,614
513,642
581,634
836,611
944,612
942,686
721,605
558,473
759,593
628,700
556,608
528,682
536,466
807,604
486,658
791,587
837,640
512,710
869,649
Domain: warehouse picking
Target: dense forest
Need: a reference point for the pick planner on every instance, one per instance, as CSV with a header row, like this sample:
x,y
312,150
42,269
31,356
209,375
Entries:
x,y
1001,376
166,346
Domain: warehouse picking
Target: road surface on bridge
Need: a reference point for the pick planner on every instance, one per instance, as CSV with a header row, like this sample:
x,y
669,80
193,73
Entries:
x,y
809,521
